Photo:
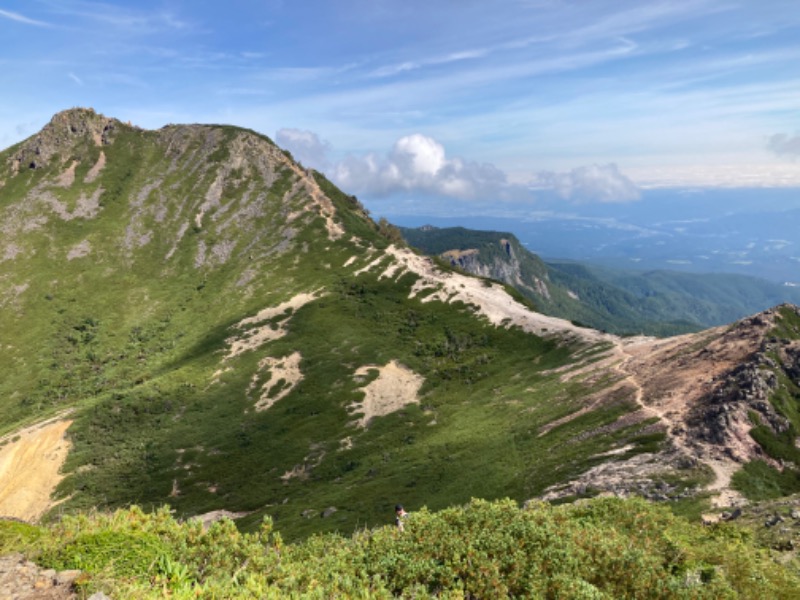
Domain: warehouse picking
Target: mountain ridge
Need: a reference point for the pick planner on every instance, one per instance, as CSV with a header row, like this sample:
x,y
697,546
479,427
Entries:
x,y
224,326
623,302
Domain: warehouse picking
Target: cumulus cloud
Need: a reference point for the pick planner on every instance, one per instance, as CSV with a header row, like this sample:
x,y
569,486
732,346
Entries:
x,y
593,183
781,144
305,146
418,163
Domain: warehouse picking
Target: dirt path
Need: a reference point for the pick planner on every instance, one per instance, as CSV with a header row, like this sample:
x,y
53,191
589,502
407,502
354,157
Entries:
x,y
672,410
30,464
326,208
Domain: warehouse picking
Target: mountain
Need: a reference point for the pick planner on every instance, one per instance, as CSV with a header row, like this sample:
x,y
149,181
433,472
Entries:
x,y
748,231
653,302
216,328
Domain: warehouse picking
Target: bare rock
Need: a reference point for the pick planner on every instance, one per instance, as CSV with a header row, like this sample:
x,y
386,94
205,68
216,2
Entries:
x,y
21,579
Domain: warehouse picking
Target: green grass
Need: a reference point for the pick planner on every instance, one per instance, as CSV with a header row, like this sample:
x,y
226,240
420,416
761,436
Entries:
x,y
602,548
759,481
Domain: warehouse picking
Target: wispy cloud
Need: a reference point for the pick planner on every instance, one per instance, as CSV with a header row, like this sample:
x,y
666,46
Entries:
x,y
75,78
389,70
617,26
122,18
7,14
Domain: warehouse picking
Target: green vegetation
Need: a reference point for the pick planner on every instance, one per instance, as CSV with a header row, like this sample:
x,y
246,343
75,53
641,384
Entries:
x,y
604,548
125,315
759,481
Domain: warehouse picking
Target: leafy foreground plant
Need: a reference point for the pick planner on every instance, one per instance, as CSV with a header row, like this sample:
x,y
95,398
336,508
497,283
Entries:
x,y
604,548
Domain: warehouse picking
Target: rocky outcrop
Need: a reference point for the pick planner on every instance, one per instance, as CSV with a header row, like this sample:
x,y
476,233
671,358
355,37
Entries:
x,y
743,394
504,266
748,387
63,131
708,391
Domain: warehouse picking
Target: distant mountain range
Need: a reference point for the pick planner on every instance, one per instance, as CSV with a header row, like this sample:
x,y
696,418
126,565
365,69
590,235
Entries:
x,y
619,301
753,232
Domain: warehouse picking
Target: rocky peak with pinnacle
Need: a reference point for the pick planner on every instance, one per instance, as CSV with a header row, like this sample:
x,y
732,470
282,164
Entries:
x,y
66,130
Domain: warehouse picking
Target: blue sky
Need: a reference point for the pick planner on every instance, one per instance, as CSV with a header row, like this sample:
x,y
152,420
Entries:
x,y
450,99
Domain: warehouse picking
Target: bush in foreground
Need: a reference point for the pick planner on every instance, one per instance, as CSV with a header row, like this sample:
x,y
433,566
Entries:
x,y
604,548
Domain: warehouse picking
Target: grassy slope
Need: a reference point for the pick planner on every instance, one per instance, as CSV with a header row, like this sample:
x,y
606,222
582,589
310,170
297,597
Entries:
x,y
130,340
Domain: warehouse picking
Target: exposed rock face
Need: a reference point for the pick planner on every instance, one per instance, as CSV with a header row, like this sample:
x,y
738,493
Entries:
x,y
504,266
748,386
64,129
744,392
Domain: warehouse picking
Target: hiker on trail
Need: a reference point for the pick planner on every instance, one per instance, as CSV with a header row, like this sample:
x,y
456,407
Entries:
x,y
400,515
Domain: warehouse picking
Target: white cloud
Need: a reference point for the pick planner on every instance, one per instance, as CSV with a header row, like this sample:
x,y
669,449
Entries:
x,y
305,146
7,14
780,144
418,163
389,70
125,19
594,183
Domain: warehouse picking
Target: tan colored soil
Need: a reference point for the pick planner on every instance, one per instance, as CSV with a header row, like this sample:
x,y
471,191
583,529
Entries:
x,y
489,299
30,469
395,387
288,369
79,250
96,168
670,379
256,337
67,178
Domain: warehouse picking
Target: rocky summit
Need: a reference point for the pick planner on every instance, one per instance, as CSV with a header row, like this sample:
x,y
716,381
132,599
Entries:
x,y
190,317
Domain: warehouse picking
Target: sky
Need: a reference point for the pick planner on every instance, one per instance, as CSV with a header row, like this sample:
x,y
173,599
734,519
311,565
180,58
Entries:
x,y
454,101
